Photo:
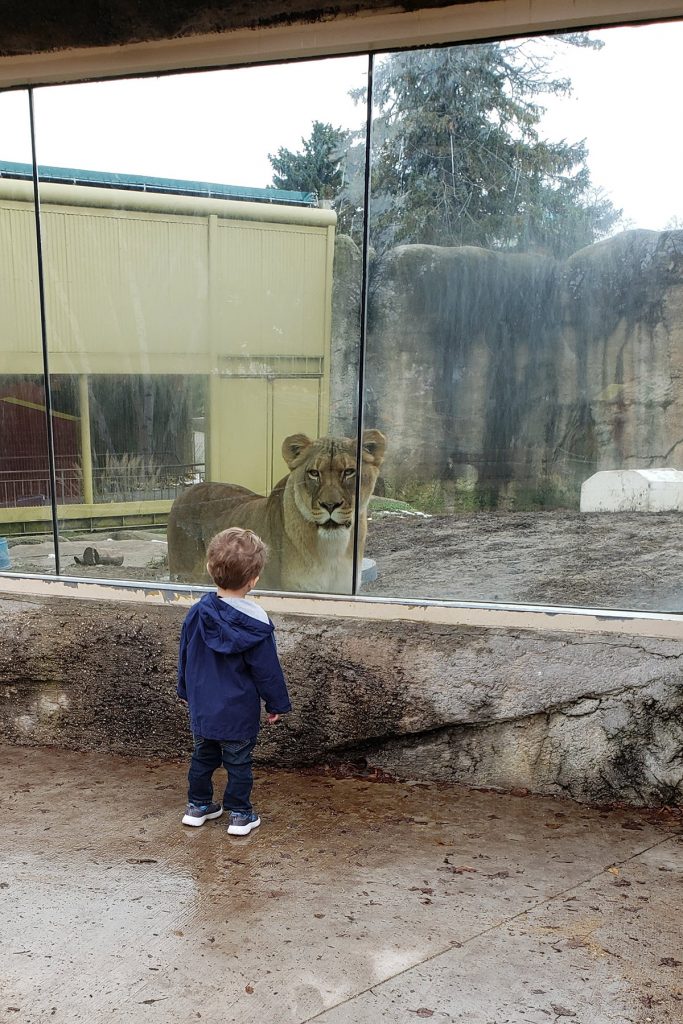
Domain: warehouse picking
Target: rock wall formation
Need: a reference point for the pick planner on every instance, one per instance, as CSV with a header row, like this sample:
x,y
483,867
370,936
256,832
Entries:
x,y
594,717
521,371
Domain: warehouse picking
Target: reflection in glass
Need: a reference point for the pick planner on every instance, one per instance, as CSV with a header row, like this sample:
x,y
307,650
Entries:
x,y
526,325
193,317
26,536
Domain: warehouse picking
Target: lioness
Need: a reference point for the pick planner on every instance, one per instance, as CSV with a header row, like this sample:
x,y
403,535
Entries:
x,y
306,521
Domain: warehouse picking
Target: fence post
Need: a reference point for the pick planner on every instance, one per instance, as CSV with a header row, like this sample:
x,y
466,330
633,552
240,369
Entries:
x,y
86,453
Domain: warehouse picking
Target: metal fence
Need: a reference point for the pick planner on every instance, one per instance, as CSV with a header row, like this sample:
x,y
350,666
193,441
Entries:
x,y
125,478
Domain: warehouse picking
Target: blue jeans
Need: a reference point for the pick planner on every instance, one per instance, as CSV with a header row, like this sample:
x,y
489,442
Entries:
x,y
235,756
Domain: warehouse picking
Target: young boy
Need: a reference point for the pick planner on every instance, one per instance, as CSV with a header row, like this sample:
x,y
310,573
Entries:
x,y
227,665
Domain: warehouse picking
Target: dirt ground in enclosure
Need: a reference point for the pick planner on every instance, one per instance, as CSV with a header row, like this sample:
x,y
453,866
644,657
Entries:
x,y
144,555
626,560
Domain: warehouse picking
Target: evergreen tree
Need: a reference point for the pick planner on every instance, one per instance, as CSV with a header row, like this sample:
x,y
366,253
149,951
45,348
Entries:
x,y
318,167
329,165
458,156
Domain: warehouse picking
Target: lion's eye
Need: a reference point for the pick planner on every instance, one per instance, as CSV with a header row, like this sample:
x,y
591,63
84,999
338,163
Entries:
x,y
348,473
314,474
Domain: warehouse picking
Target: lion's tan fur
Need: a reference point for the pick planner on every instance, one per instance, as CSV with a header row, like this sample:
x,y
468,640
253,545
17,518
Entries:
x,y
306,521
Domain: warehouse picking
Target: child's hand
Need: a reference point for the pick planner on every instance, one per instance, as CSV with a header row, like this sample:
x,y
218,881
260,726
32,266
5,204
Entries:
x,y
182,701
272,719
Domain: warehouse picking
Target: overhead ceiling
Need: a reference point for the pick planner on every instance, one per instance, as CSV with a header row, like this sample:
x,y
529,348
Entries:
x,y
53,41
48,25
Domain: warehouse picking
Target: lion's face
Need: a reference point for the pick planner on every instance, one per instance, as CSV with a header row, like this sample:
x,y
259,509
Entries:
x,y
323,475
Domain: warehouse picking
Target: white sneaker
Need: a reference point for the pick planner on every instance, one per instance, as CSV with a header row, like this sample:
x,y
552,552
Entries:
x,y
197,814
242,824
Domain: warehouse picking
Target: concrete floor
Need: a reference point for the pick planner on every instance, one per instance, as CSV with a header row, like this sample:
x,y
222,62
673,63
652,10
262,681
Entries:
x,y
355,903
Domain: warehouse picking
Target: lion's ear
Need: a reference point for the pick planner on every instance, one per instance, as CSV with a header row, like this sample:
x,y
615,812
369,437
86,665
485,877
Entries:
x,y
293,446
374,445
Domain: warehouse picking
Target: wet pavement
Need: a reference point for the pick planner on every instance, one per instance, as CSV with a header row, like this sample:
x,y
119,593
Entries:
x,y
356,902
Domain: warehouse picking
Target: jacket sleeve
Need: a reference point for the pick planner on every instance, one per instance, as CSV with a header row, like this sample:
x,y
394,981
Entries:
x,y
268,676
181,688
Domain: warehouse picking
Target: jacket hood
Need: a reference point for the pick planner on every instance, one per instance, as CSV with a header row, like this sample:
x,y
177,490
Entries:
x,y
227,630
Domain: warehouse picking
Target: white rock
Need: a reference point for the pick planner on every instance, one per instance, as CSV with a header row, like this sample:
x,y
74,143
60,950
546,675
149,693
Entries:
x,y
633,490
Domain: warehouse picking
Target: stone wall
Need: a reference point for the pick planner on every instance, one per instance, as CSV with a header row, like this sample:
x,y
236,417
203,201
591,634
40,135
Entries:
x,y
594,717
521,370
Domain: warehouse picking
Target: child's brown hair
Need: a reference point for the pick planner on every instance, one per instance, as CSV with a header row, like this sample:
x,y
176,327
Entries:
x,y
235,557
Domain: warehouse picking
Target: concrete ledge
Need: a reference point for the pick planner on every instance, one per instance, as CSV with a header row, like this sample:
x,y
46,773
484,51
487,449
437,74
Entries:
x,y
666,625
594,717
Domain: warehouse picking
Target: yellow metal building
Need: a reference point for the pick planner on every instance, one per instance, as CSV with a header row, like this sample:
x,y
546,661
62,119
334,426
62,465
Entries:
x,y
148,283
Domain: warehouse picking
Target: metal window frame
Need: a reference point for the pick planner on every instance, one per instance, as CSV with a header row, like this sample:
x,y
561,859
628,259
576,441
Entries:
x,y
369,35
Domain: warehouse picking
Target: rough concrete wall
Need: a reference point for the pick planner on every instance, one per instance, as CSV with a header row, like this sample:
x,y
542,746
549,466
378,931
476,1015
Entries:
x,y
346,313
624,343
46,25
526,368
597,718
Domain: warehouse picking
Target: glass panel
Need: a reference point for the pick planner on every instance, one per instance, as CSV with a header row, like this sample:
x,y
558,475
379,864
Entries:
x,y
525,354
192,235
26,534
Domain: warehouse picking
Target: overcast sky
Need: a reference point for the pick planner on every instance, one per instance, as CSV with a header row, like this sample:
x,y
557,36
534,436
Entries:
x,y
626,103
220,126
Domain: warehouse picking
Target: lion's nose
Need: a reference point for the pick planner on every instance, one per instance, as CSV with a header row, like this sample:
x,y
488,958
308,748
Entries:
x,y
330,505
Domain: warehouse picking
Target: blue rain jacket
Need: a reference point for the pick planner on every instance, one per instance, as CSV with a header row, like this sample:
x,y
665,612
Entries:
x,y
227,665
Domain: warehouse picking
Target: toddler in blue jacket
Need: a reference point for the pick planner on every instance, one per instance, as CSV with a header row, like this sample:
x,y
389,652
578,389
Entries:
x,y
227,665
